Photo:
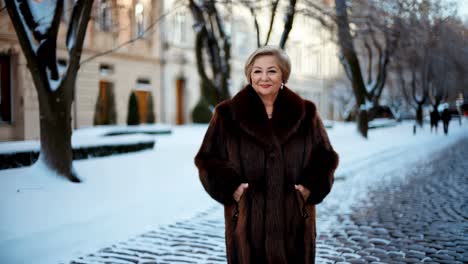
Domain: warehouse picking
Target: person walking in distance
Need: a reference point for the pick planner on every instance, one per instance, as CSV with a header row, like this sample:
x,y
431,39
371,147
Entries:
x,y
434,117
446,120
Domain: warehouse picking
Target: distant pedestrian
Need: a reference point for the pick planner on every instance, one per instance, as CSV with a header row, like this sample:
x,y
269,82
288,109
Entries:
x,y
267,158
446,119
434,116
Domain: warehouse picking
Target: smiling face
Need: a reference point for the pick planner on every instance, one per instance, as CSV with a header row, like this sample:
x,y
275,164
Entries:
x,y
266,77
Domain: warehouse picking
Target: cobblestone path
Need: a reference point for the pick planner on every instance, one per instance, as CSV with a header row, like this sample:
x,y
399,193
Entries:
x,y
422,219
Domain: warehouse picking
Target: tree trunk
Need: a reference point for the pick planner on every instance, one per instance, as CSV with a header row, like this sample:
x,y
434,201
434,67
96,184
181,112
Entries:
x,y
351,65
56,131
363,122
54,104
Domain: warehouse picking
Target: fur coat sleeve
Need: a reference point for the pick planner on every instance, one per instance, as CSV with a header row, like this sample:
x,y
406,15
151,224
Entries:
x,y
217,174
317,175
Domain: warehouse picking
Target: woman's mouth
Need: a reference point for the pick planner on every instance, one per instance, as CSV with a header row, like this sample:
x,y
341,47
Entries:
x,y
265,86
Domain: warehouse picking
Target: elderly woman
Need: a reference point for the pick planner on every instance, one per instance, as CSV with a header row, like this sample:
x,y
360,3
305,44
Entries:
x,y
267,158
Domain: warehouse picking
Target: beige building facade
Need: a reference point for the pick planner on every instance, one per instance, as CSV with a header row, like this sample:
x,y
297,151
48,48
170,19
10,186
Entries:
x,y
132,67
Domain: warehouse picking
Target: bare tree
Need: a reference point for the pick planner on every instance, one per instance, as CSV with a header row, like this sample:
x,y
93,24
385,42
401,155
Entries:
x,y
378,33
350,62
55,87
448,60
212,40
426,56
213,45
370,35
410,62
414,94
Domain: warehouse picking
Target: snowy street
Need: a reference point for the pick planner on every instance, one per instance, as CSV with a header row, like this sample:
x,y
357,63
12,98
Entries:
x,y
419,219
149,207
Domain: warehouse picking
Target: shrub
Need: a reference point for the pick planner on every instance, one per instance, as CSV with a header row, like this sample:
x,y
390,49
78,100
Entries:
x,y
202,112
133,116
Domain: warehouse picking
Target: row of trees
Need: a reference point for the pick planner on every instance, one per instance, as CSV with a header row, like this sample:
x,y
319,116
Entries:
x,y
414,49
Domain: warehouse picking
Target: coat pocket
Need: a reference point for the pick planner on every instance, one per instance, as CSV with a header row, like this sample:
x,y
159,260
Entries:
x,y
241,227
302,204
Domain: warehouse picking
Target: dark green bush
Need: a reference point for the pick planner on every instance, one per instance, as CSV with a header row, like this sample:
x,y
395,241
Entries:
x,y
202,112
133,116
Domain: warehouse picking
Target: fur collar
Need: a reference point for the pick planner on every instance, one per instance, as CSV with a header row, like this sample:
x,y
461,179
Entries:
x,y
288,112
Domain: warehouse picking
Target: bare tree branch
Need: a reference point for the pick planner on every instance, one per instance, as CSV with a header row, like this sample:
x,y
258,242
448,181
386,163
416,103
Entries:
x,y
257,27
289,19
274,6
81,13
23,32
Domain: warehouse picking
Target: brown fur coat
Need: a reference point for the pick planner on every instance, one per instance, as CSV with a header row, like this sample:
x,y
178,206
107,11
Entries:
x,y
271,223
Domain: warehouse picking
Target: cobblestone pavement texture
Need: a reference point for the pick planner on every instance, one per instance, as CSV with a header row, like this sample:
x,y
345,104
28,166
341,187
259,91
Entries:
x,y
422,219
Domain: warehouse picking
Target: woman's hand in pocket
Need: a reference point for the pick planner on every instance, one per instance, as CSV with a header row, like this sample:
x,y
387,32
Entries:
x,y
240,191
303,190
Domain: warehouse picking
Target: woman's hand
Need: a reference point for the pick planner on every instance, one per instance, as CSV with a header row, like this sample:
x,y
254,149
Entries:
x,y
303,190
240,191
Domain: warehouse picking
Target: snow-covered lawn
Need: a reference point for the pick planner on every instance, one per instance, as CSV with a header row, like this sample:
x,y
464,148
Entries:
x,y
46,219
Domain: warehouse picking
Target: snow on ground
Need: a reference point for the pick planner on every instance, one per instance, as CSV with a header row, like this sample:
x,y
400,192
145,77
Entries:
x,y
93,136
50,220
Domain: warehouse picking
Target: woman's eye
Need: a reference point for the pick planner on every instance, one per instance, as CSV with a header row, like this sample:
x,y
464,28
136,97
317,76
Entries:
x,y
272,71
257,71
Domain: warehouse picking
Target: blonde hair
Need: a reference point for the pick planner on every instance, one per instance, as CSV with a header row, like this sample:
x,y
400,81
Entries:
x,y
284,62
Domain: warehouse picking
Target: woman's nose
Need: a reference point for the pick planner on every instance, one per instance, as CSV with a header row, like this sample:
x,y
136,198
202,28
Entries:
x,y
264,76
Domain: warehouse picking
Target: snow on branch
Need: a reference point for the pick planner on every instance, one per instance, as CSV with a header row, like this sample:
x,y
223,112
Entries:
x,y
77,31
22,23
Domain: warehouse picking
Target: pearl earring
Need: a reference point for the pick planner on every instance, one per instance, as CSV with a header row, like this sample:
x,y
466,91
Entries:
x,y
282,86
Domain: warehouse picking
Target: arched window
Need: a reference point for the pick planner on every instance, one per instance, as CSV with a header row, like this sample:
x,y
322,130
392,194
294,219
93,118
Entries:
x,y
180,25
140,19
105,15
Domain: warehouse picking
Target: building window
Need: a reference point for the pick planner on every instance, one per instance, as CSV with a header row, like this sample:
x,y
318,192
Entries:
x,y
104,15
180,24
5,90
140,19
143,84
106,69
